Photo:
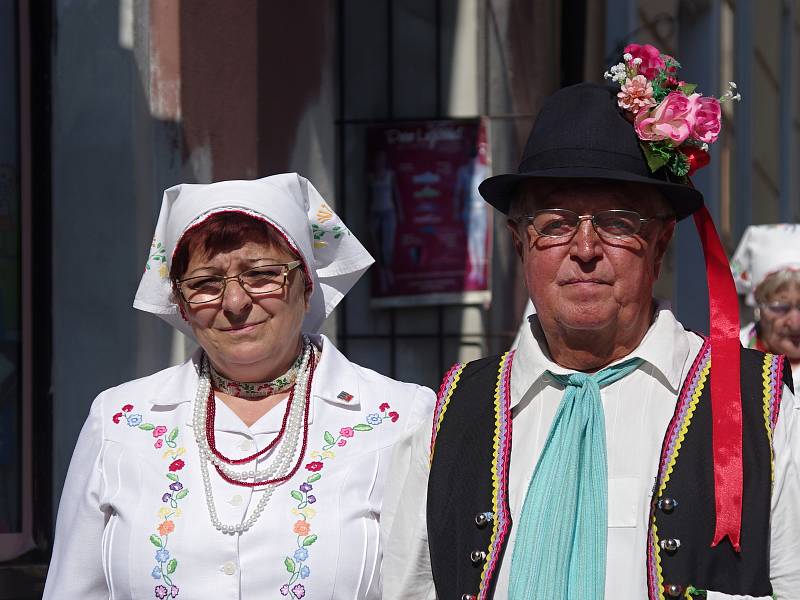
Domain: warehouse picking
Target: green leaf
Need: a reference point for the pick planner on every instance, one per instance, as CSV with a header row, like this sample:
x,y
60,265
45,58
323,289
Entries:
x,y
289,564
314,477
172,477
156,541
297,495
171,566
329,438
363,427
679,164
182,494
172,435
310,540
147,426
688,88
655,159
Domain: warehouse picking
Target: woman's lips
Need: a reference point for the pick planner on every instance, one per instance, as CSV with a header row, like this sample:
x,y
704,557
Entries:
x,y
241,328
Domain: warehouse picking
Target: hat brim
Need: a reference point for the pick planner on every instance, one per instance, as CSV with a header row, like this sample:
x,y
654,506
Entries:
x,y
500,190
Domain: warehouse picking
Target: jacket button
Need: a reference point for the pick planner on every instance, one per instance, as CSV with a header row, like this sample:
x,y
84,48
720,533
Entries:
x,y
482,519
673,590
667,504
477,556
468,597
670,544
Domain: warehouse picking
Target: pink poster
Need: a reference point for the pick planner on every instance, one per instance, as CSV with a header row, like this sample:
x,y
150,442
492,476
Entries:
x,y
430,228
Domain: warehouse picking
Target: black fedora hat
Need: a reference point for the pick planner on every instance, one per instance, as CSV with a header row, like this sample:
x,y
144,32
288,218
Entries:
x,y
581,133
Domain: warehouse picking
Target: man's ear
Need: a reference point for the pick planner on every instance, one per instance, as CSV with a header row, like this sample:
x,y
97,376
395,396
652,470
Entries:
x,y
519,244
662,243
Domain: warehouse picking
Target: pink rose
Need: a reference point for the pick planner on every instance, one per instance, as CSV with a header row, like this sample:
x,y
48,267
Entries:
x,y
671,120
347,432
707,116
652,62
159,431
159,443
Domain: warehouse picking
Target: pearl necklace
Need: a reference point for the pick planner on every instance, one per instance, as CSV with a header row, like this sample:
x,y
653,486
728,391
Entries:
x,y
297,425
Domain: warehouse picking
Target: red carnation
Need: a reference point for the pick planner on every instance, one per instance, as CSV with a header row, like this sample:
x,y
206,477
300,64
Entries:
x,y
314,466
697,157
127,408
384,407
176,465
394,416
116,418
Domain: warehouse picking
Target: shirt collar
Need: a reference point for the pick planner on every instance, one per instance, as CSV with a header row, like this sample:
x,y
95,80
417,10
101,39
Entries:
x,y
335,379
665,348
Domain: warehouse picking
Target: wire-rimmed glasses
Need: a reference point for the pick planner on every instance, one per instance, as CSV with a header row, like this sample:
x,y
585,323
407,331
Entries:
x,y
779,309
262,279
609,224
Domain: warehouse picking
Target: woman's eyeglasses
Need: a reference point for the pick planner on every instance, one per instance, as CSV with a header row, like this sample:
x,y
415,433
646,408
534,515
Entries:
x,y
779,309
258,280
609,224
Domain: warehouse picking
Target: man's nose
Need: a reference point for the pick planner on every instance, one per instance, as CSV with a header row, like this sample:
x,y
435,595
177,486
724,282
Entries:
x,y
586,243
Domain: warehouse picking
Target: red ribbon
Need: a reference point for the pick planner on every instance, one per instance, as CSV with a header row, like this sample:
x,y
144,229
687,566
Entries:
x,y
726,401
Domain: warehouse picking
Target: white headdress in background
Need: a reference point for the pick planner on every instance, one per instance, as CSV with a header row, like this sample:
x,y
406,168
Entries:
x,y
764,250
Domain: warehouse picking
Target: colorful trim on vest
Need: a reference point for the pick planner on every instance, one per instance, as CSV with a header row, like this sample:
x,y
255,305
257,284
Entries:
x,y
772,377
449,383
500,464
687,402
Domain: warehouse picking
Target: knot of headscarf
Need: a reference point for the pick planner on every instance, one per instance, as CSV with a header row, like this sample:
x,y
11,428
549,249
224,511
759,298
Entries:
x,y
560,547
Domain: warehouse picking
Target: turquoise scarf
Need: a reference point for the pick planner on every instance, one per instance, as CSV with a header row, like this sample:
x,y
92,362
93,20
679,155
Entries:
x,y
560,548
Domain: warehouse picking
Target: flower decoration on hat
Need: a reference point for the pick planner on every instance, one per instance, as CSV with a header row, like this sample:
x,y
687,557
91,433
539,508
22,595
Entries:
x,y
675,124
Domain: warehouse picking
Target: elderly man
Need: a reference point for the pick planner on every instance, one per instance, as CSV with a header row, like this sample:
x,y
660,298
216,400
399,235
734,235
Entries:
x,y
581,466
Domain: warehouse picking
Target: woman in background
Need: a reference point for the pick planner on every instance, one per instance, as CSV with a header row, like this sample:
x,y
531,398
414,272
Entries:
x,y
766,267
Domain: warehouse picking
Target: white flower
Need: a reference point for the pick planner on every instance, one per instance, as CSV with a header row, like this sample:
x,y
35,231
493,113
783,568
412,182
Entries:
x,y
732,84
637,61
627,56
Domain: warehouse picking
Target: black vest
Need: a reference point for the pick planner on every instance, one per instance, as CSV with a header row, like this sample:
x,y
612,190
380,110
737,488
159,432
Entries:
x,y
469,519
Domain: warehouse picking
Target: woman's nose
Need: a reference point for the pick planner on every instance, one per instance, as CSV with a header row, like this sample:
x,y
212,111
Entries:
x,y
235,298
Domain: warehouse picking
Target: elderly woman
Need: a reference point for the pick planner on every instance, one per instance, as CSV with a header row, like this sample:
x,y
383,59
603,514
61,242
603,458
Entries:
x,y
257,468
766,268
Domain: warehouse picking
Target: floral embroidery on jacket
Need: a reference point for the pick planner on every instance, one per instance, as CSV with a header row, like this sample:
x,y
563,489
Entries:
x,y
296,564
175,492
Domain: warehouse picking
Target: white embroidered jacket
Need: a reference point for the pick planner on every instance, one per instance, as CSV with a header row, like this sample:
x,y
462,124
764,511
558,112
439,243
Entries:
x,y
133,521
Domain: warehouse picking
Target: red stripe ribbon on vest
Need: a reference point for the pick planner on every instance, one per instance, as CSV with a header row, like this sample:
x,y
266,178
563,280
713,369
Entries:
x,y
726,401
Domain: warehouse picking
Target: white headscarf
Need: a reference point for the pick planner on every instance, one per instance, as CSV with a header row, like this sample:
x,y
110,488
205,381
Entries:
x,y
332,256
764,250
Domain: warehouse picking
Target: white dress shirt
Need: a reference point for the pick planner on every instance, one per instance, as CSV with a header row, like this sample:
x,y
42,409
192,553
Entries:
x,y
638,409
133,521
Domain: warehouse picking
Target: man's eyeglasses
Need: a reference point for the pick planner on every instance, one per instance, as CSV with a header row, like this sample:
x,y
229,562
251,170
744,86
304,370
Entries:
x,y
779,309
258,280
609,224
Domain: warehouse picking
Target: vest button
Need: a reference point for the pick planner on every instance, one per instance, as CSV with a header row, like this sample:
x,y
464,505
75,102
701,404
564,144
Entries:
x,y
667,504
482,519
477,556
670,544
468,597
673,590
